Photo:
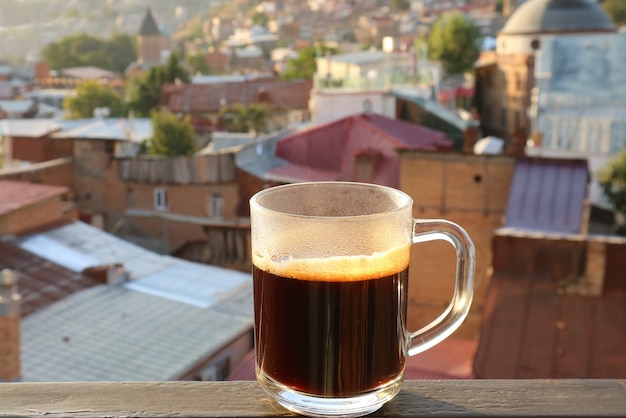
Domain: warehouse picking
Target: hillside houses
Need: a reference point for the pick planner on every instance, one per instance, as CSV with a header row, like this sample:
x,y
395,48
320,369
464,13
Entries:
x,y
205,97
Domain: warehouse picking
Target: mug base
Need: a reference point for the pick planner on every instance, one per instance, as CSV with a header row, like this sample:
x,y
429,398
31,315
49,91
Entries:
x,y
319,406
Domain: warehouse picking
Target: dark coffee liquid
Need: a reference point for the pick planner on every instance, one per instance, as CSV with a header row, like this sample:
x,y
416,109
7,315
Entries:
x,y
330,338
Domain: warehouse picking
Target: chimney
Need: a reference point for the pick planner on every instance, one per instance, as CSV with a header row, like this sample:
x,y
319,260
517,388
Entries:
x,y
116,275
9,326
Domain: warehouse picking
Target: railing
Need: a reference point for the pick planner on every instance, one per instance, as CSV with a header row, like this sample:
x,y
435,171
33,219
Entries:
x,y
418,398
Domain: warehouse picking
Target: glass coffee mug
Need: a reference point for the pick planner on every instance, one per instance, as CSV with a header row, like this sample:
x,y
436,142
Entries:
x,y
330,270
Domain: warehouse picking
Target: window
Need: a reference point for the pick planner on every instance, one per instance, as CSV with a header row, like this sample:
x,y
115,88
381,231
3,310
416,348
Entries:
x,y
160,199
216,206
518,82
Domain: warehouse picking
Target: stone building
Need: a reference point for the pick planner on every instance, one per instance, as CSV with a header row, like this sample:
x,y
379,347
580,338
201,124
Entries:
x,y
149,41
505,81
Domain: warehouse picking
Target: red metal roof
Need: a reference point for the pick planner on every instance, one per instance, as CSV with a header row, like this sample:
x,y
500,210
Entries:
x,y
548,195
450,359
17,194
211,97
330,150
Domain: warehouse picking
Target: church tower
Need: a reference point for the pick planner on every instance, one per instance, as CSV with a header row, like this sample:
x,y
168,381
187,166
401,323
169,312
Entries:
x,y
149,42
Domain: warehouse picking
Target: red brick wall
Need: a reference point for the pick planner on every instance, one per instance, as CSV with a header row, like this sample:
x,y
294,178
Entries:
x,y
57,175
540,259
40,149
29,149
9,347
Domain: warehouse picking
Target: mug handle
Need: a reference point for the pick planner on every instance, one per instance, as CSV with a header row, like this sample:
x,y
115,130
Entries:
x,y
441,328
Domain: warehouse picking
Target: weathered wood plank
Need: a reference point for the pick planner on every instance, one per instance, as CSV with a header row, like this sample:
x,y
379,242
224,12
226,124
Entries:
x,y
425,398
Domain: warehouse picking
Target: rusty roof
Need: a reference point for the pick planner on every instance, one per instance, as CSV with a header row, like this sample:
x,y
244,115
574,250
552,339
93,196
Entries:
x,y
534,327
19,194
41,282
211,97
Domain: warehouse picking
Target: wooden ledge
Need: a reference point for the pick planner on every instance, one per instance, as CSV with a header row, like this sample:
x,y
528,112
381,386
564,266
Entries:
x,y
418,398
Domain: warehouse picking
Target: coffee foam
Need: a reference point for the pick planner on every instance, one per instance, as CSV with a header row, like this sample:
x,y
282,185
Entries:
x,y
340,268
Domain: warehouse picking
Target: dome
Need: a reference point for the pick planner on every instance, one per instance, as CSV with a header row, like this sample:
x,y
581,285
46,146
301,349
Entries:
x,y
558,16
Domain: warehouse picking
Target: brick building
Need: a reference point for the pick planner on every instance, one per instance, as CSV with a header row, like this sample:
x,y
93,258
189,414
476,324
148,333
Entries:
x,y
471,191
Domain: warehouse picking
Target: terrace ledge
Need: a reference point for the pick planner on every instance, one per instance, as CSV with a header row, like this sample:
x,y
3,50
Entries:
x,y
418,398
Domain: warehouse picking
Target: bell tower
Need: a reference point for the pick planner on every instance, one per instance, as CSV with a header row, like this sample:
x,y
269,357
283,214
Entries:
x,y
149,41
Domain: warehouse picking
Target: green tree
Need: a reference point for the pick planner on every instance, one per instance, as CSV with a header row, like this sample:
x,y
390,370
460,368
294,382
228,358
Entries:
x,y
616,9
171,136
122,50
90,95
260,19
80,50
146,92
241,118
612,179
453,40
398,5
304,66
198,63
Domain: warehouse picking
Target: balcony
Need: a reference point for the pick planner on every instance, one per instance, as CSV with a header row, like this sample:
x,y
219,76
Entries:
x,y
418,398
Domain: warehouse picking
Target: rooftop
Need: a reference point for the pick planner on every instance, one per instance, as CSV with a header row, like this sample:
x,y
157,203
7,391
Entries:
x,y
111,333
13,194
158,324
558,16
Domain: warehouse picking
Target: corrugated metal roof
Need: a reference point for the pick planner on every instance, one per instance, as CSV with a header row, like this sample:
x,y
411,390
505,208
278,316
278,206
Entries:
x,y
115,129
79,246
109,333
172,314
328,151
548,195
31,128
16,106
259,159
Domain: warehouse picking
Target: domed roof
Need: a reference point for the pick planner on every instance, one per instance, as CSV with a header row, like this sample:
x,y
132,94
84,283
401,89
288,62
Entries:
x,y
558,16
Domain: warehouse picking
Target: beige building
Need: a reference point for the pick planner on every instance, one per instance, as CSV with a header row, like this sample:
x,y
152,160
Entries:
x,y
471,191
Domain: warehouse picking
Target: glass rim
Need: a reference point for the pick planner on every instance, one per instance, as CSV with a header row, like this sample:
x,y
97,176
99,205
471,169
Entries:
x,y
405,200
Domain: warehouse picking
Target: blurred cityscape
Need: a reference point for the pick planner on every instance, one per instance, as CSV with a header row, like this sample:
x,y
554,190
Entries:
x,y
134,132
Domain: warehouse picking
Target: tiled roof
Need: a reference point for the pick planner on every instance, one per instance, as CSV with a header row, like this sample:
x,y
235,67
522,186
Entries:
x,y
41,282
211,97
17,194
